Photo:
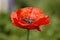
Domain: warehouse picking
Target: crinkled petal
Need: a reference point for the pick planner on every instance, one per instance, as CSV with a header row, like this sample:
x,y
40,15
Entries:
x,y
16,22
45,20
14,18
38,28
42,21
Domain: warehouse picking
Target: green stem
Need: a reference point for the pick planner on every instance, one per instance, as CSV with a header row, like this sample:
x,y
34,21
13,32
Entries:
x,y
28,34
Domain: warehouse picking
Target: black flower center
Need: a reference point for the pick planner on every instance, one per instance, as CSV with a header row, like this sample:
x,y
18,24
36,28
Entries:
x,y
28,20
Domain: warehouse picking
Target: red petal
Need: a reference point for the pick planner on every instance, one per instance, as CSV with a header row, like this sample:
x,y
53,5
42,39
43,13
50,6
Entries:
x,y
16,22
45,20
38,29
13,15
36,13
14,18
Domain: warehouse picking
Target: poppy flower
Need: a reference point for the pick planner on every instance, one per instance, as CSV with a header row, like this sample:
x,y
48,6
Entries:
x,y
29,18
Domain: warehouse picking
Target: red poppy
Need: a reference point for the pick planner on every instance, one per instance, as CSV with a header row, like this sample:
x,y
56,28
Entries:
x,y
29,18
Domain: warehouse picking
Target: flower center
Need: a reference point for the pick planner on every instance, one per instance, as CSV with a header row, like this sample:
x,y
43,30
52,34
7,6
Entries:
x,y
28,20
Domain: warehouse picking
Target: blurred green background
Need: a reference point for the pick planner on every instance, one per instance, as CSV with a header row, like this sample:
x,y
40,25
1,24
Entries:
x,y
50,7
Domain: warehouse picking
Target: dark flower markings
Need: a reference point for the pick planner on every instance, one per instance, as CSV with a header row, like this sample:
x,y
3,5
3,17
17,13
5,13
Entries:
x,y
28,20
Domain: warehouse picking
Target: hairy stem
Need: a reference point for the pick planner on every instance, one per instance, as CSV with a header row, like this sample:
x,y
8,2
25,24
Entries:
x,y
28,31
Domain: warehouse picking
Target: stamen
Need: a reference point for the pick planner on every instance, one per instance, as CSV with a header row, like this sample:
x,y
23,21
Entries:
x,y
28,20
